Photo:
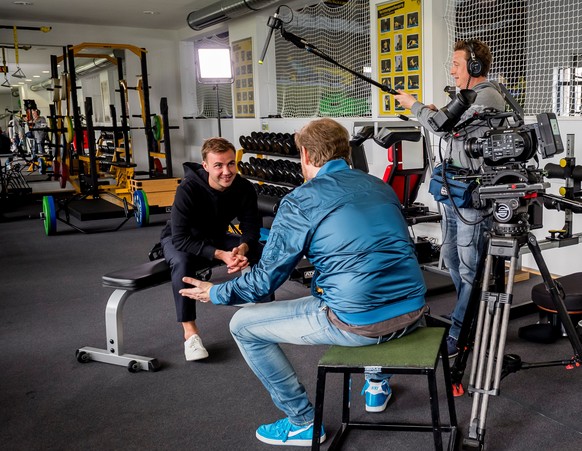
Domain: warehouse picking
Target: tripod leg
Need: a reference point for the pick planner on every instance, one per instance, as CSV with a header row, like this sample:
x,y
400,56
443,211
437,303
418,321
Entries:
x,y
467,332
557,298
490,340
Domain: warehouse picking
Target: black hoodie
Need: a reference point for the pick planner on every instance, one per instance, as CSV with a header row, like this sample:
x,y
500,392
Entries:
x,y
201,215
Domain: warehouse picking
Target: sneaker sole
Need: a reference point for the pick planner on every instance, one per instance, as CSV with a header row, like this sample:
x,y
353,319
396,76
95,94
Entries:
x,y
382,408
197,356
290,442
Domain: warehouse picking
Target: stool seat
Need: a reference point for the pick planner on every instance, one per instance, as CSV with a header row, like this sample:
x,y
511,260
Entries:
x,y
416,353
572,285
417,350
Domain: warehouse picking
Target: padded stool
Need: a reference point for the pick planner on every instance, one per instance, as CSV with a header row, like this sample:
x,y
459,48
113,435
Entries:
x,y
416,353
550,331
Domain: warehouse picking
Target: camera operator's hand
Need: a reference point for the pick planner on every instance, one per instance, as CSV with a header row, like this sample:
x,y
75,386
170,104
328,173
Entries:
x,y
407,100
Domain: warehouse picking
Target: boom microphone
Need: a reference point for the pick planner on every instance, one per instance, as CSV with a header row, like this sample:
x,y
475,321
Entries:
x,y
273,23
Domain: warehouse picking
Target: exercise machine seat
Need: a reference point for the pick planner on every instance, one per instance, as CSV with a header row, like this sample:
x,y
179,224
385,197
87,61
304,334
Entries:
x,y
405,182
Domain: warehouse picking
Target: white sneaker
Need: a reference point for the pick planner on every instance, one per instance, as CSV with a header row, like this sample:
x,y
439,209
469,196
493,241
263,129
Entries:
x,y
194,349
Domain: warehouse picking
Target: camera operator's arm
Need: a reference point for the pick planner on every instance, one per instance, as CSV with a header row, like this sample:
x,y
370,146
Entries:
x,y
408,101
420,110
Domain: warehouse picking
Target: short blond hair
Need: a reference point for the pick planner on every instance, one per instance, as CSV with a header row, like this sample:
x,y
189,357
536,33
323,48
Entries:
x,y
325,140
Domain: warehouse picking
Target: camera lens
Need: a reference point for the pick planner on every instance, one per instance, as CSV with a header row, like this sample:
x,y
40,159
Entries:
x,y
473,147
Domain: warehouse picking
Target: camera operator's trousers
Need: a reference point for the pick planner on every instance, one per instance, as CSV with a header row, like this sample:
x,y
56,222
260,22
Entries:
x,y
462,248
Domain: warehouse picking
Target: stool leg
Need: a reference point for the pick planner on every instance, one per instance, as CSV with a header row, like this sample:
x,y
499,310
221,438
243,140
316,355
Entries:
x,y
434,410
448,385
319,397
347,398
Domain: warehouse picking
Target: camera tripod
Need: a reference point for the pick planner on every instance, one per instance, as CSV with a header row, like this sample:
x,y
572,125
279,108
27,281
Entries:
x,y
489,327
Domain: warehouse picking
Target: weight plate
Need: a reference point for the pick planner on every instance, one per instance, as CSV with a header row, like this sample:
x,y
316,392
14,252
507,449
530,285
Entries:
x,y
64,175
56,169
141,208
158,168
158,128
41,165
50,215
70,134
64,87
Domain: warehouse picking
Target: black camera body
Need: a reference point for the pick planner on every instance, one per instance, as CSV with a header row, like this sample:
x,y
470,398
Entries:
x,y
508,188
501,146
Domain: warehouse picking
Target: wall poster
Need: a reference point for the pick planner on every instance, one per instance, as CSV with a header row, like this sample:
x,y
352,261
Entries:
x,y
244,90
399,51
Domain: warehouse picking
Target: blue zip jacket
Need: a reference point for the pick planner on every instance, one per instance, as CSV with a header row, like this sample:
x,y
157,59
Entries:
x,y
350,226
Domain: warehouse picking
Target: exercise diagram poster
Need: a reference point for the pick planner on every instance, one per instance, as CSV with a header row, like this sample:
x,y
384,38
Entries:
x,y
244,90
399,51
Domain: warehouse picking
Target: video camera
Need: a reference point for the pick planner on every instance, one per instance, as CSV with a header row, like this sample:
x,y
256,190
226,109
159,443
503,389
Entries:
x,y
500,146
507,187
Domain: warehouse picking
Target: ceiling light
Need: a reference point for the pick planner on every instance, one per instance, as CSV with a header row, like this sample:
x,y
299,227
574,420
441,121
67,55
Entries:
x,y
38,76
45,72
151,13
28,79
23,3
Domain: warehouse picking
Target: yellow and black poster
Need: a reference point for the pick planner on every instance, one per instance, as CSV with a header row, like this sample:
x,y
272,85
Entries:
x,y
244,89
399,51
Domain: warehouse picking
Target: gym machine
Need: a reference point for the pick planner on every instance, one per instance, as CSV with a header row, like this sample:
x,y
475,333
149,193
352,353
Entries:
x,y
131,194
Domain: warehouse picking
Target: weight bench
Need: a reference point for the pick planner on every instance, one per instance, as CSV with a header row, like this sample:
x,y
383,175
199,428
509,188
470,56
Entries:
x,y
127,282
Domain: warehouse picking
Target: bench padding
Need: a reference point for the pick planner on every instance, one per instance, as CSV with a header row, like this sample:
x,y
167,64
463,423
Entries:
x,y
139,277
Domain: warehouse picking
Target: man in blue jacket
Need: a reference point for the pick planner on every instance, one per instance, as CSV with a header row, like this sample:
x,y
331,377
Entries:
x,y
367,288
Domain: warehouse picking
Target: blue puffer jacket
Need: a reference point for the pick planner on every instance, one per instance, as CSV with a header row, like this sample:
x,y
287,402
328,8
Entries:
x,y
350,226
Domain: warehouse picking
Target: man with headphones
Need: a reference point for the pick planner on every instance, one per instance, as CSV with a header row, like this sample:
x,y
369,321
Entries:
x,y
462,243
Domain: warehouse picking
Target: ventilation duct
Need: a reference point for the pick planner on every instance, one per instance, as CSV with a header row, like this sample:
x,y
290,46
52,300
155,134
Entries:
x,y
84,69
225,10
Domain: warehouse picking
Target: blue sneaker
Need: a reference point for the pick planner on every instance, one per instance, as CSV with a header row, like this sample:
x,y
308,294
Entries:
x,y
283,432
378,393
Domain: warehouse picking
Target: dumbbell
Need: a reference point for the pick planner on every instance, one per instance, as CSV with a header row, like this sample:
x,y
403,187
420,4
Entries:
x,y
298,179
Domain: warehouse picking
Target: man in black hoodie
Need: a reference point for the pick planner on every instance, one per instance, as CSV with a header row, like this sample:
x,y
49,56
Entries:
x,y
209,197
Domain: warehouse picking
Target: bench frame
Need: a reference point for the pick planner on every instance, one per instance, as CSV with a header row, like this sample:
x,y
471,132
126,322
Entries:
x,y
127,282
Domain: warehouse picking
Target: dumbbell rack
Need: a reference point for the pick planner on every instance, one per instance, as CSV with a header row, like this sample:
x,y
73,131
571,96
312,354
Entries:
x,y
276,177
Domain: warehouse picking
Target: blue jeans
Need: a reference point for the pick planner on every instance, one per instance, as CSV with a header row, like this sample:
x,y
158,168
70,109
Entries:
x,y
462,247
259,329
